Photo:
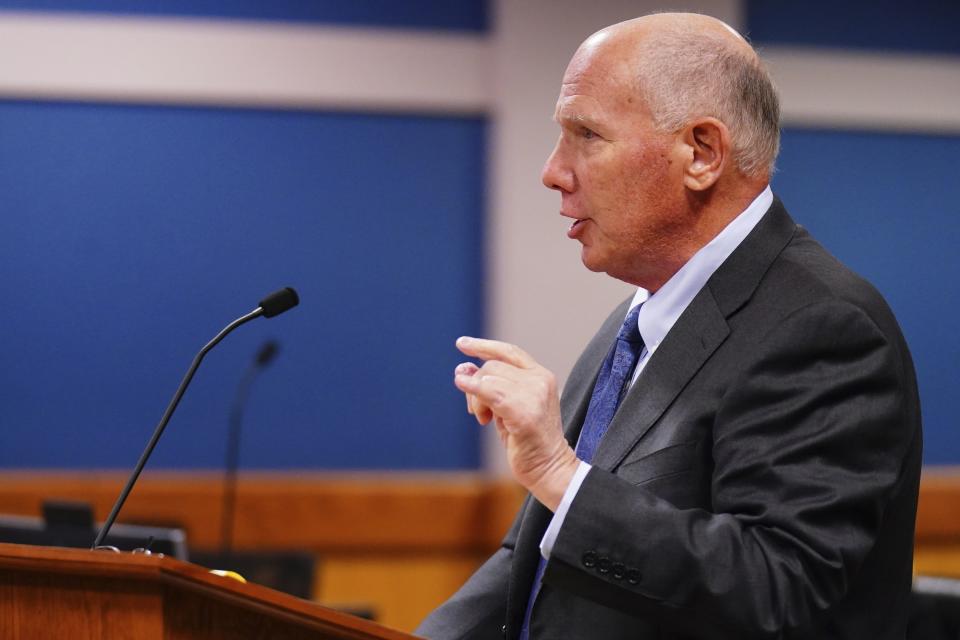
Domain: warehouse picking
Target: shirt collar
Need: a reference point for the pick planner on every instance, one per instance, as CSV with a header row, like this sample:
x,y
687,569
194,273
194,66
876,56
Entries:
x,y
662,309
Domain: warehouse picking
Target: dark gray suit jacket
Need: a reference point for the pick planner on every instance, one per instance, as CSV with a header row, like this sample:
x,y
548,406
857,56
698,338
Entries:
x,y
759,480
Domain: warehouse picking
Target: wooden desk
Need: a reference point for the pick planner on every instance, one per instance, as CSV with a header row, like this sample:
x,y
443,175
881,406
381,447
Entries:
x,y
48,592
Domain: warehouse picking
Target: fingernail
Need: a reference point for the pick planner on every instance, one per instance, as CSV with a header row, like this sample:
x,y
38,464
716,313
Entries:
x,y
463,341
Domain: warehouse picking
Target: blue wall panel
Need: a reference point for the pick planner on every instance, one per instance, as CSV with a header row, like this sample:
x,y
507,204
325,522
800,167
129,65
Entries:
x,y
884,204
458,15
130,235
927,26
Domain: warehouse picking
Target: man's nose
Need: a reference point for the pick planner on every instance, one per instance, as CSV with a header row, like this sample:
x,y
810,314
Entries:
x,y
557,173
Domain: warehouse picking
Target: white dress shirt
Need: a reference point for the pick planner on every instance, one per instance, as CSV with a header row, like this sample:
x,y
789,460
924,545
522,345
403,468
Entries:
x,y
658,315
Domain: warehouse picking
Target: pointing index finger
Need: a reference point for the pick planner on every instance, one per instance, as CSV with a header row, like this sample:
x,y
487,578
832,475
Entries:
x,y
496,350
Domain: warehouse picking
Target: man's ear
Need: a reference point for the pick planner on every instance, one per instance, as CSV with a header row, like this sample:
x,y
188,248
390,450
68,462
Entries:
x,y
709,153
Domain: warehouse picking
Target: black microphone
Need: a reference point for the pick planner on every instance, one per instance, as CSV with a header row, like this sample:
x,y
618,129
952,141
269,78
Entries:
x,y
273,305
279,301
267,353
264,356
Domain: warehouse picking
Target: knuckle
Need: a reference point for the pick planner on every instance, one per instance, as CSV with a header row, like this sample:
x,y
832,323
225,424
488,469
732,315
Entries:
x,y
544,386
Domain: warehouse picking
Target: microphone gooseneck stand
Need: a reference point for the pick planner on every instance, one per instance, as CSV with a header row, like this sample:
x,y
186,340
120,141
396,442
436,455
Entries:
x,y
274,304
265,355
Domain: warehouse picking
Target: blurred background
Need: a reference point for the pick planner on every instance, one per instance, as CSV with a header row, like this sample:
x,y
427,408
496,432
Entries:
x,y
165,164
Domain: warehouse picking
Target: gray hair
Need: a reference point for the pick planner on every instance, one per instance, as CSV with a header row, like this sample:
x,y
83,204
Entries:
x,y
685,75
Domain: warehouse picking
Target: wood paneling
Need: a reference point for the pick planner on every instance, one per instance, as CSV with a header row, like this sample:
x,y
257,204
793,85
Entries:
x,y
322,512
937,550
399,588
398,544
938,515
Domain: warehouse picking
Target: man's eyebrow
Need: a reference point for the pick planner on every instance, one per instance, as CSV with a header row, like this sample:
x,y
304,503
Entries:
x,y
576,118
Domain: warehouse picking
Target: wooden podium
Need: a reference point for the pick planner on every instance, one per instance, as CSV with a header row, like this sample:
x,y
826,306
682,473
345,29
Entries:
x,y
75,594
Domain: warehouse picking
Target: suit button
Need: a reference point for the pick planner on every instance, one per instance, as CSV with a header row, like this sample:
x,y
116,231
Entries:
x,y
633,576
603,565
619,570
503,631
589,559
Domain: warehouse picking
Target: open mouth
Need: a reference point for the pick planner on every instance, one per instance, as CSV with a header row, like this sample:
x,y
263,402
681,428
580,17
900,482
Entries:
x,y
575,227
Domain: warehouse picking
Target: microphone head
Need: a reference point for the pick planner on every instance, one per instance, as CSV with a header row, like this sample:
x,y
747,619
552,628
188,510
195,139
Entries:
x,y
267,353
279,301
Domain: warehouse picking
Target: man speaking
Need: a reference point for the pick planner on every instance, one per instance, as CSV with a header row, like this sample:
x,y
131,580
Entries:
x,y
736,453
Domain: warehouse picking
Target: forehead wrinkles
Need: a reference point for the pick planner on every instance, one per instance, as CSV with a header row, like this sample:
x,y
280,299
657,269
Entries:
x,y
577,109
596,97
607,78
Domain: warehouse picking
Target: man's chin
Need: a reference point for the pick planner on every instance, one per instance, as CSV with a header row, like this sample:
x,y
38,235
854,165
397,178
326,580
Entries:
x,y
592,261
600,264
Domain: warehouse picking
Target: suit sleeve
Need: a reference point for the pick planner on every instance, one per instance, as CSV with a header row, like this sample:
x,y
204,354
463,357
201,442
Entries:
x,y
808,444
477,611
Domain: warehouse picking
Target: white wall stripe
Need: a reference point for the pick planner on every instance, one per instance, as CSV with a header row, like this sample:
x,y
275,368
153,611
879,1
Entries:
x,y
240,63
844,89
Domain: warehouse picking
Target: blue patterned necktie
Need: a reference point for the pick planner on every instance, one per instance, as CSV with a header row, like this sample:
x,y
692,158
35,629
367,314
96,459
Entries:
x,y
612,385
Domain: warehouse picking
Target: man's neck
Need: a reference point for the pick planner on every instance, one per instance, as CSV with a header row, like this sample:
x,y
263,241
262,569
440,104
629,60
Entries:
x,y
712,213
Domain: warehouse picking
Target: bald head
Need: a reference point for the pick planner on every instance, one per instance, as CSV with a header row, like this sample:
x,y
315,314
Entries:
x,y
658,23
685,66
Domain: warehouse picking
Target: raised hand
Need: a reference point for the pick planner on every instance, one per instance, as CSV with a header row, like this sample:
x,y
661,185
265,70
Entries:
x,y
520,396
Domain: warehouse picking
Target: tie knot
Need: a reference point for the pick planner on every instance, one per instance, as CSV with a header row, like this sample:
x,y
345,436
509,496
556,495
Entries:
x,y
630,331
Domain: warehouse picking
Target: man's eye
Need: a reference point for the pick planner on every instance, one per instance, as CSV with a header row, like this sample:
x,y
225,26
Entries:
x,y
587,134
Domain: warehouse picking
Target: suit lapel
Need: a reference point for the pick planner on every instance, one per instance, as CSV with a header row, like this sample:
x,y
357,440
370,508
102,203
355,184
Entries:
x,y
696,335
738,277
